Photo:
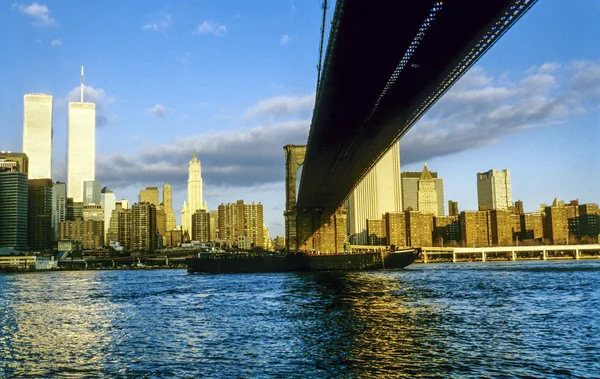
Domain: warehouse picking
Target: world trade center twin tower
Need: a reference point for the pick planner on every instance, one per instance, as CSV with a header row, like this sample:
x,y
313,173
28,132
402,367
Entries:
x,y
37,140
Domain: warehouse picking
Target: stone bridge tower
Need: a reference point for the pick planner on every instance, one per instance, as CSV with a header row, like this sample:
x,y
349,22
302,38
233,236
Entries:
x,y
309,230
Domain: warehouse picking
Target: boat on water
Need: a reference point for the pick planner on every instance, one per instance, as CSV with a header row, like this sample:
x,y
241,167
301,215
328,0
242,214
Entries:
x,y
256,262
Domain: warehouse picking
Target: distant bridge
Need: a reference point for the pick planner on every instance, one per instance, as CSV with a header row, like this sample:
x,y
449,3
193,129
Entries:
x,y
387,63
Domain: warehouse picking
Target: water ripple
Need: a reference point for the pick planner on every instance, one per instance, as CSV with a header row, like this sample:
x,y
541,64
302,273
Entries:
x,y
513,319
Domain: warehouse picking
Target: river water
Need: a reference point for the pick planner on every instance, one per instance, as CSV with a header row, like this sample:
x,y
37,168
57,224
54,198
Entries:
x,y
512,319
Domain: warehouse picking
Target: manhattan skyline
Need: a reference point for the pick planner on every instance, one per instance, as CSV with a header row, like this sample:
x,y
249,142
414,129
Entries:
x,y
236,83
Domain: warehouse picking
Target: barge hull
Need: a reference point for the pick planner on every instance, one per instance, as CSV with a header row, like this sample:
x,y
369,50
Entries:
x,y
299,262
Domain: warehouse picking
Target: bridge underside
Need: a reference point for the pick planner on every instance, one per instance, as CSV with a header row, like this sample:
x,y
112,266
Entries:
x,y
387,63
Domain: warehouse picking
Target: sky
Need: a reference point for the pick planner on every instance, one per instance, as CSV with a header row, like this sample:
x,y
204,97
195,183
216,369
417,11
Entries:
x,y
235,80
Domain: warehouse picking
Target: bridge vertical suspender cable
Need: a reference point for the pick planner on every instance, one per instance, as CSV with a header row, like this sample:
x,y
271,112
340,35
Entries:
x,y
320,63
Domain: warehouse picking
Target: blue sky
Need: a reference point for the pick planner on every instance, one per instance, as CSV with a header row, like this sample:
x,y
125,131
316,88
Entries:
x,y
236,80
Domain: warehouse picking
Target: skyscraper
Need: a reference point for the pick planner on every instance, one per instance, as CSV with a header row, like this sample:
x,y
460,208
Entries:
x,y
427,195
168,207
37,134
410,190
39,214
108,200
377,193
149,195
13,209
81,158
92,192
59,207
143,227
194,201
241,220
494,189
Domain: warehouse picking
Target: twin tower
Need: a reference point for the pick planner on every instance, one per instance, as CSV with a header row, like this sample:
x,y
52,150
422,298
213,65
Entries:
x,y
37,140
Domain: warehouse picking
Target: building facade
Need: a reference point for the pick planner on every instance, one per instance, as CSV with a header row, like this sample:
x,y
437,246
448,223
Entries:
x,y
239,219
475,228
92,192
13,209
201,226
81,155
410,190
59,207
395,224
109,201
39,214
377,193
37,134
143,228
494,190
426,193
194,201
168,207
150,195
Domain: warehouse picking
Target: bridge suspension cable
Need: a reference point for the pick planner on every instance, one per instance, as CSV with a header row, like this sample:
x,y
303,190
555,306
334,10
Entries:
x,y
320,63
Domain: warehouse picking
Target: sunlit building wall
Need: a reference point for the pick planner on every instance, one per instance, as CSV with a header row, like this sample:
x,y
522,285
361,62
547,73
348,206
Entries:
x,y
494,190
92,192
59,207
108,200
377,193
37,134
81,157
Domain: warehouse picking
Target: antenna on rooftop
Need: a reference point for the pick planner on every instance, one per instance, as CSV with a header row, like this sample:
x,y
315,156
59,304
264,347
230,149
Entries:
x,y
82,84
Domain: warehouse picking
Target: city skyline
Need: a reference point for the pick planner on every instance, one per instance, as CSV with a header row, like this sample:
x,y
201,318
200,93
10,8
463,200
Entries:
x,y
518,107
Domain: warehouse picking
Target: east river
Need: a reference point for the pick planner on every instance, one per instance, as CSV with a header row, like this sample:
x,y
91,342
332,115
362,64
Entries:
x,y
514,319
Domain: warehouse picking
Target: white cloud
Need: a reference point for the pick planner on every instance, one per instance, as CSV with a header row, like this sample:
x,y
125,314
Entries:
x,y
285,39
281,106
39,13
92,95
212,28
481,109
158,110
56,42
159,25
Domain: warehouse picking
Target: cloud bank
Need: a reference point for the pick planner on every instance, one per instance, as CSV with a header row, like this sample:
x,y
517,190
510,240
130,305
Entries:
x,y
482,109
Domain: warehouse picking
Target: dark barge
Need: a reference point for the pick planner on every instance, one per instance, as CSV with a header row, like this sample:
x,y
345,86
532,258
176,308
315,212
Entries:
x,y
255,262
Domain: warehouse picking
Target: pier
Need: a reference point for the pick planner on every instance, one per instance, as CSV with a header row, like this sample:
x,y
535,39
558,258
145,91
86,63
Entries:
x,y
512,253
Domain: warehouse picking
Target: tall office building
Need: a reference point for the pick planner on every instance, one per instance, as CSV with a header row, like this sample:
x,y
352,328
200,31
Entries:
x,y
241,220
377,193
426,193
143,227
410,190
81,156
494,190
168,207
201,226
59,207
149,195
108,200
452,208
92,192
37,134
39,214
13,208
194,201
